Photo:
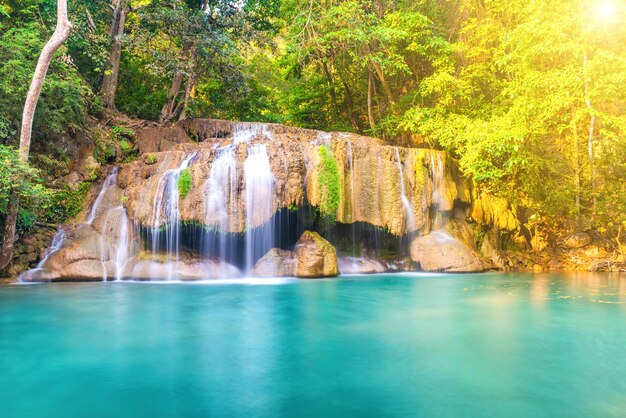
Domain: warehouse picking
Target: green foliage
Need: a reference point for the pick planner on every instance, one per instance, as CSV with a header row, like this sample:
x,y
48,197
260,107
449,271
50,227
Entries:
x,y
19,177
116,144
104,146
63,104
184,183
328,177
67,203
151,159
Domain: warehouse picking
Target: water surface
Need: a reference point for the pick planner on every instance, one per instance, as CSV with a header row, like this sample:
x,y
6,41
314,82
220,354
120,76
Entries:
x,y
492,345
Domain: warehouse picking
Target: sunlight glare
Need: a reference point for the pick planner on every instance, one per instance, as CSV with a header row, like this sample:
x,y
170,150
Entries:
x,y
606,10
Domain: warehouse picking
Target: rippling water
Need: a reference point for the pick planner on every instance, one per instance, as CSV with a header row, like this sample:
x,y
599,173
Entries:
x,y
405,345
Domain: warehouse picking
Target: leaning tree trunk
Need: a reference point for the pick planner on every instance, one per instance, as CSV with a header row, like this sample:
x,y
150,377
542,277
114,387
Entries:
x,y
60,35
109,82
168,110
191,84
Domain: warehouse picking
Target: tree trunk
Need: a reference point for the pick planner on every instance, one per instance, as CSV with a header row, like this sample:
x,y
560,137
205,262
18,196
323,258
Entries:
x,y
383,81
167,113
191,83
109,82
370,87
6,252
60,35
349,104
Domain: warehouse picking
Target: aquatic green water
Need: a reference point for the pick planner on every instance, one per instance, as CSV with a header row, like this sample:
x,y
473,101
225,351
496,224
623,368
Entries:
x,y
387,346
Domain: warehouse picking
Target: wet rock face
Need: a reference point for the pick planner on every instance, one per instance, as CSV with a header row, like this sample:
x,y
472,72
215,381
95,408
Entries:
x,y
440,251
371,176
315,257
276,263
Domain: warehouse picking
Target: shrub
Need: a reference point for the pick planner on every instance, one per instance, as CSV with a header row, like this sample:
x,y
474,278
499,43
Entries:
x,y
67,203
184,183
152,159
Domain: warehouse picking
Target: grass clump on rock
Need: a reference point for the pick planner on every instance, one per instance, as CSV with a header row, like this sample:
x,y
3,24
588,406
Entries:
x,y
184,183
328,177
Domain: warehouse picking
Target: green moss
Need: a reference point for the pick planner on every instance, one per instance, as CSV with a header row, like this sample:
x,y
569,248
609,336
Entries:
x,y
118,143
184,183
104,146
152,159
420,175
328,177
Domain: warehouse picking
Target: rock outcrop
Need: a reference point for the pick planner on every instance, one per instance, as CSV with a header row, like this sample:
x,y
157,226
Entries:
x,y
579,240
276,263
186,269
315,257
370,175
353,265
440,251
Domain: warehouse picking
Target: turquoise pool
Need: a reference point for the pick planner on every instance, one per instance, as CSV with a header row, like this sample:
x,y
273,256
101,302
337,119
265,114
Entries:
x,y
493,345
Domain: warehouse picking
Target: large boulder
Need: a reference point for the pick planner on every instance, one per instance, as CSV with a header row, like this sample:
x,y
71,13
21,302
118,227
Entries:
x,y
86,271
353,265
88,245
440,251
39,275
579,240
315,257
185,269
276,263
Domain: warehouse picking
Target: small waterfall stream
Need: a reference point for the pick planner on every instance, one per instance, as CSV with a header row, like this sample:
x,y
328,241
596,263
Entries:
x,y
117,241
352,199
110,181
55,245
409,224
221,189
259,204
165,221
244,132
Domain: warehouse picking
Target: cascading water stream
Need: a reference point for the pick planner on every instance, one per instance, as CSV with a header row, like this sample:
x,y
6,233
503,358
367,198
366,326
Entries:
x,y
259,204
221,189
409,224
117,241
110,181
352,199
55,245
244,132
166,215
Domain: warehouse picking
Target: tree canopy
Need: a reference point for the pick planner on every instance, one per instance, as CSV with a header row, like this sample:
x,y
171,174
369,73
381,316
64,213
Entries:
x,y
529,96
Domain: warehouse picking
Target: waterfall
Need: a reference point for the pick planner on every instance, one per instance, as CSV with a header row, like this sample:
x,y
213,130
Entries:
x,y
352,198
55,245
110,181
406,203
244,132
259,204
221,189
166,214
117,229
